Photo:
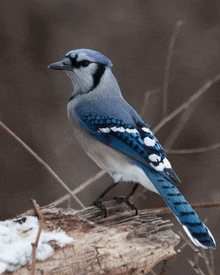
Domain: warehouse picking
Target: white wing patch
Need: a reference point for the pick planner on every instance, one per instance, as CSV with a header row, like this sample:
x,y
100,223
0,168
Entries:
x,y
157,162
154,158
114,129
131,131
104,130
121,129
118,129
163,164
149,141
167,163
147,130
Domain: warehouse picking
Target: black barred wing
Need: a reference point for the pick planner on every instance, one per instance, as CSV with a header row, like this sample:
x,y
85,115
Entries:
x,y
136,141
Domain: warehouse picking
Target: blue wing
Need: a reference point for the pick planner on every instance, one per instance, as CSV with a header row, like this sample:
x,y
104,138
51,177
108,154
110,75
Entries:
x,y
117,125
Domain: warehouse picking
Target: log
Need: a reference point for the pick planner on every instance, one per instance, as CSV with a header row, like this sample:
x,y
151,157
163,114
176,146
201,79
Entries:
x,y
121,243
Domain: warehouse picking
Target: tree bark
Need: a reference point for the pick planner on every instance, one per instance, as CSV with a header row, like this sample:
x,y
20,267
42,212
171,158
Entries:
x,y
122,243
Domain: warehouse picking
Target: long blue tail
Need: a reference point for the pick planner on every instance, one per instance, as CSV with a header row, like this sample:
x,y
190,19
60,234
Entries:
x,y
194,227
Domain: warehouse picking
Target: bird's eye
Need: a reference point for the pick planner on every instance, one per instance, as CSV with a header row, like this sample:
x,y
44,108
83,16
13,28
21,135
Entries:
x,y
85,63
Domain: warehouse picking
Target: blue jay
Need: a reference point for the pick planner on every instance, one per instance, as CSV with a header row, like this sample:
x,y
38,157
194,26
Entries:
x,y
118,141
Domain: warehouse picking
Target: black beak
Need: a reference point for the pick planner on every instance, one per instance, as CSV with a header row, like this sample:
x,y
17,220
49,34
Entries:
x,y
64,64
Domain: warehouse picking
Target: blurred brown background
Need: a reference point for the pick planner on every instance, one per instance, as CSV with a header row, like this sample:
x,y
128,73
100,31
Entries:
x,y
135,35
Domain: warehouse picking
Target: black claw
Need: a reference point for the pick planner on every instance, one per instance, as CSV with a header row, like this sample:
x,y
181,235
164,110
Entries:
x,y
124,199
98,203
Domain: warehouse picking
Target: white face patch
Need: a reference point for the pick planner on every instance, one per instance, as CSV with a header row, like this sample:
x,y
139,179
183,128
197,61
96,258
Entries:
x,y
149,141
154,158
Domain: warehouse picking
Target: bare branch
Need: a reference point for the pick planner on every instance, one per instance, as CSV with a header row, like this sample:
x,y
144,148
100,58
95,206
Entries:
x,y
212,260
165,210
94,248
168,63
179,126
152,272
78,189
199,253
35,244
189,101
188,242
168,265
146,101
196,268
206,260
45,165
194,150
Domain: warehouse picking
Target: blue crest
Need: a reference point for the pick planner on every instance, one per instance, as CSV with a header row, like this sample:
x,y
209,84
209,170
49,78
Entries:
x,y
93,56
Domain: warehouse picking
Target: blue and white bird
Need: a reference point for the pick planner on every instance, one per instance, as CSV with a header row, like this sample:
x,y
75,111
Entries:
x,y
118,141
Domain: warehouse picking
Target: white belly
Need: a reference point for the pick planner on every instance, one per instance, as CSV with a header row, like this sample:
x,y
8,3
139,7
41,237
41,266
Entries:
x,y
115,163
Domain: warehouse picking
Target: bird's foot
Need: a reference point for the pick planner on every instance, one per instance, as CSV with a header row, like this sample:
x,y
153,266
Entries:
x,y
98,203
124,199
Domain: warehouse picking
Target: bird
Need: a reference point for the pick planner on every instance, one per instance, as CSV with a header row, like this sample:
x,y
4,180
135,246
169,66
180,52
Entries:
x,y
116,138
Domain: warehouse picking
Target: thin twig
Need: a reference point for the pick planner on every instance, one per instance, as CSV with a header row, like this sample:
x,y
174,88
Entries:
x,y
196,268
194,150
188,242
168,265
168,63
35,244
45,165
163,268
189,101
152,272
78,189
198,253
144,106
196,259
146,101
212,260
179,126
165,210
206,260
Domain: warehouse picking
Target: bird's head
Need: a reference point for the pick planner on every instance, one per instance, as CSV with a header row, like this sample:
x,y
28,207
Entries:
x,y
84,67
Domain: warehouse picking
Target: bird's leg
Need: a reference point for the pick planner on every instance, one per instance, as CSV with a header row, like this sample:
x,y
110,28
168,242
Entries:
x,y
126,199
98,201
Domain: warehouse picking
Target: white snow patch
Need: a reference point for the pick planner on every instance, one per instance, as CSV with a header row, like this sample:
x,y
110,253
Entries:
x,y
16,237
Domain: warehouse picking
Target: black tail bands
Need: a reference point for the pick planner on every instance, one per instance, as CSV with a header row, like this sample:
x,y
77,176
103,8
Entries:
x,y
193,226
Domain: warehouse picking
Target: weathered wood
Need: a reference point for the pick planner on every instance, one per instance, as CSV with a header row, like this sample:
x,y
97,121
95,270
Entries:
x,y
122,243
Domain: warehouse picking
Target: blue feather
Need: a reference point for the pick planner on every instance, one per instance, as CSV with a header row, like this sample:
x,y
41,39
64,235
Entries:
x,y
99,113
194,227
